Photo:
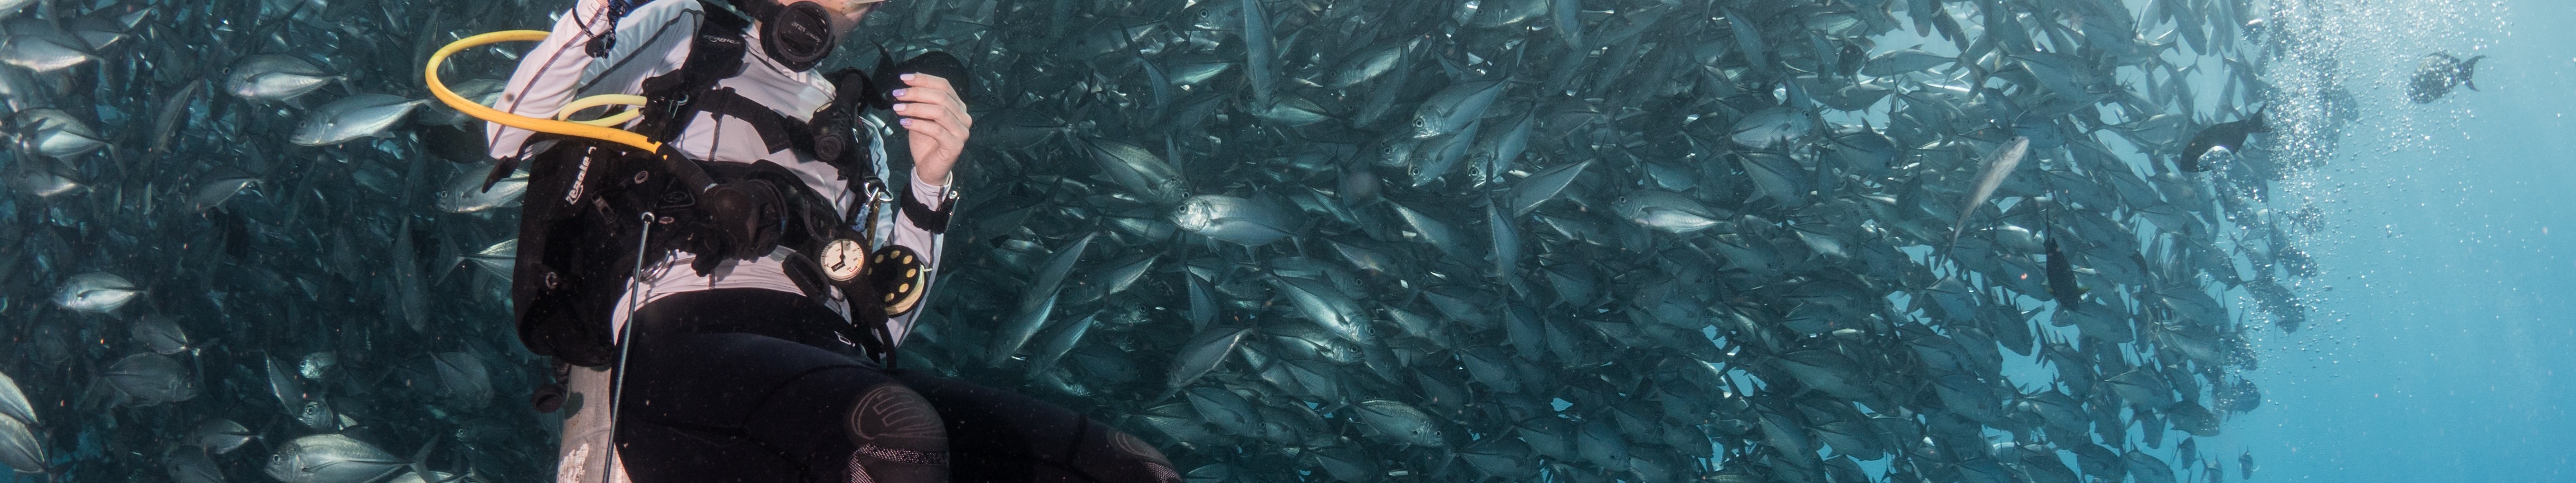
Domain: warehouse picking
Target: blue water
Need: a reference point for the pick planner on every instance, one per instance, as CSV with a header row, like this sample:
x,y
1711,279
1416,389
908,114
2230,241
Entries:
x,y
2445,349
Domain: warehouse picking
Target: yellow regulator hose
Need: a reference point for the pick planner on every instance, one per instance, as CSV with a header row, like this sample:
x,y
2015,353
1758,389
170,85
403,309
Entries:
x,y
553,126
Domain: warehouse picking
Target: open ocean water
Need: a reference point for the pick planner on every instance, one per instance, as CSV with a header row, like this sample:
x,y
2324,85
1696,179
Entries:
x,y
2443,349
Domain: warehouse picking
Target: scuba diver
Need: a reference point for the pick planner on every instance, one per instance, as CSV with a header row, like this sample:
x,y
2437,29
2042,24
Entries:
x,y
717,257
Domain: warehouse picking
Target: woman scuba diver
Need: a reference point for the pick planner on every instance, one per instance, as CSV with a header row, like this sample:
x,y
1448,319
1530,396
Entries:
x,y
722,241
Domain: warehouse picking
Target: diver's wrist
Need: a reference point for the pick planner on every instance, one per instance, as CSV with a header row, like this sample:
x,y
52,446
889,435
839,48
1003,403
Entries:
x,y
937,178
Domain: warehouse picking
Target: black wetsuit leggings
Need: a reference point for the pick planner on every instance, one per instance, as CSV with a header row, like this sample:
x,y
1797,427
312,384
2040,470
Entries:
x,y
752,386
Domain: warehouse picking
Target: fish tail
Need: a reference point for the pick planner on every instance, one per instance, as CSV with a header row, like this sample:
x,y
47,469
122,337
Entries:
x,y
2468,72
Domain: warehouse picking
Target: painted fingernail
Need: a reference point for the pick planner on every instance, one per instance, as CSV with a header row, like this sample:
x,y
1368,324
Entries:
x,y
900,107
908,76
899,92
907,122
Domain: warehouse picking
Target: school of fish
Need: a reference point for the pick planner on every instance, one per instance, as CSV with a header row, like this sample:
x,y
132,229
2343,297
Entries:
x,y
1283,240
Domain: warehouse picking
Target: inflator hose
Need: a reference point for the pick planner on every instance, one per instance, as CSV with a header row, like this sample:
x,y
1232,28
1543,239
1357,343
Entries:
x,y
550,126
688,172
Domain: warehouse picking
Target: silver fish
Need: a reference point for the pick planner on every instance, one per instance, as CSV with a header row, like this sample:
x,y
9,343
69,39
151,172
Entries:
x,y
1401,423
1138,170
221,436
191,465
1260,56
214,193
331,458
1507,245
353,117
19,447
283,386
496,260
465,193
463,379
1202,301
1538,188
434,477
1052,275
1997,168
106,27
1331,309
151,379
32,179
1061,342
1432,230
1225,409
55,133
39,46
13,401
96,292
1038,301
1017,330
481,91
1371,63
1202,354
318,364
160,334
1902,61
1454,107
273,77
12,7
1771,127
1667,211
1235,220
1125,273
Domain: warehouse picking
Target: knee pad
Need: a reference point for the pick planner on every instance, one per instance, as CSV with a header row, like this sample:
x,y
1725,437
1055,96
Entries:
x,y
1112,456
1154,465
899,438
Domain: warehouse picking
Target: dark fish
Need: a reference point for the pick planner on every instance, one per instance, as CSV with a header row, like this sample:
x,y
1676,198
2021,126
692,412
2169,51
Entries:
x,y
2061,275
192,465
2229,135
2245,465
159,333
2439,73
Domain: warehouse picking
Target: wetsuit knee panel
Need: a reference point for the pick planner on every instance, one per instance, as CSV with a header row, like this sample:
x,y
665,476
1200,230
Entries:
x,y
898,435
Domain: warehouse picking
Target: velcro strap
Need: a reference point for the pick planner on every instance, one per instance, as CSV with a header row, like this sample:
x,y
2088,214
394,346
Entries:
x,y
934,220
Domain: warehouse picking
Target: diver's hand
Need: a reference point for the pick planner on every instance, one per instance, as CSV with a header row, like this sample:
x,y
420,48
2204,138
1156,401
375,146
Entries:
x,y
938,124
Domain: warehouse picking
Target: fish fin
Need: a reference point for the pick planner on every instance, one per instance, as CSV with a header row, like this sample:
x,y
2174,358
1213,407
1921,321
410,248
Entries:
x,y
420,460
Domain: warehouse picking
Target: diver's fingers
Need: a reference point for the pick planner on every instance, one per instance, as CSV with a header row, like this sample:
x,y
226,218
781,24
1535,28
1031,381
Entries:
x,y
933,112
934,91
936,107
934,95
940,138
931,91
928,81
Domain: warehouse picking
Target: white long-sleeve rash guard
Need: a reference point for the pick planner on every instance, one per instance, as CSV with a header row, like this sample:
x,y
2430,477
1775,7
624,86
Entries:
x,y
654,39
